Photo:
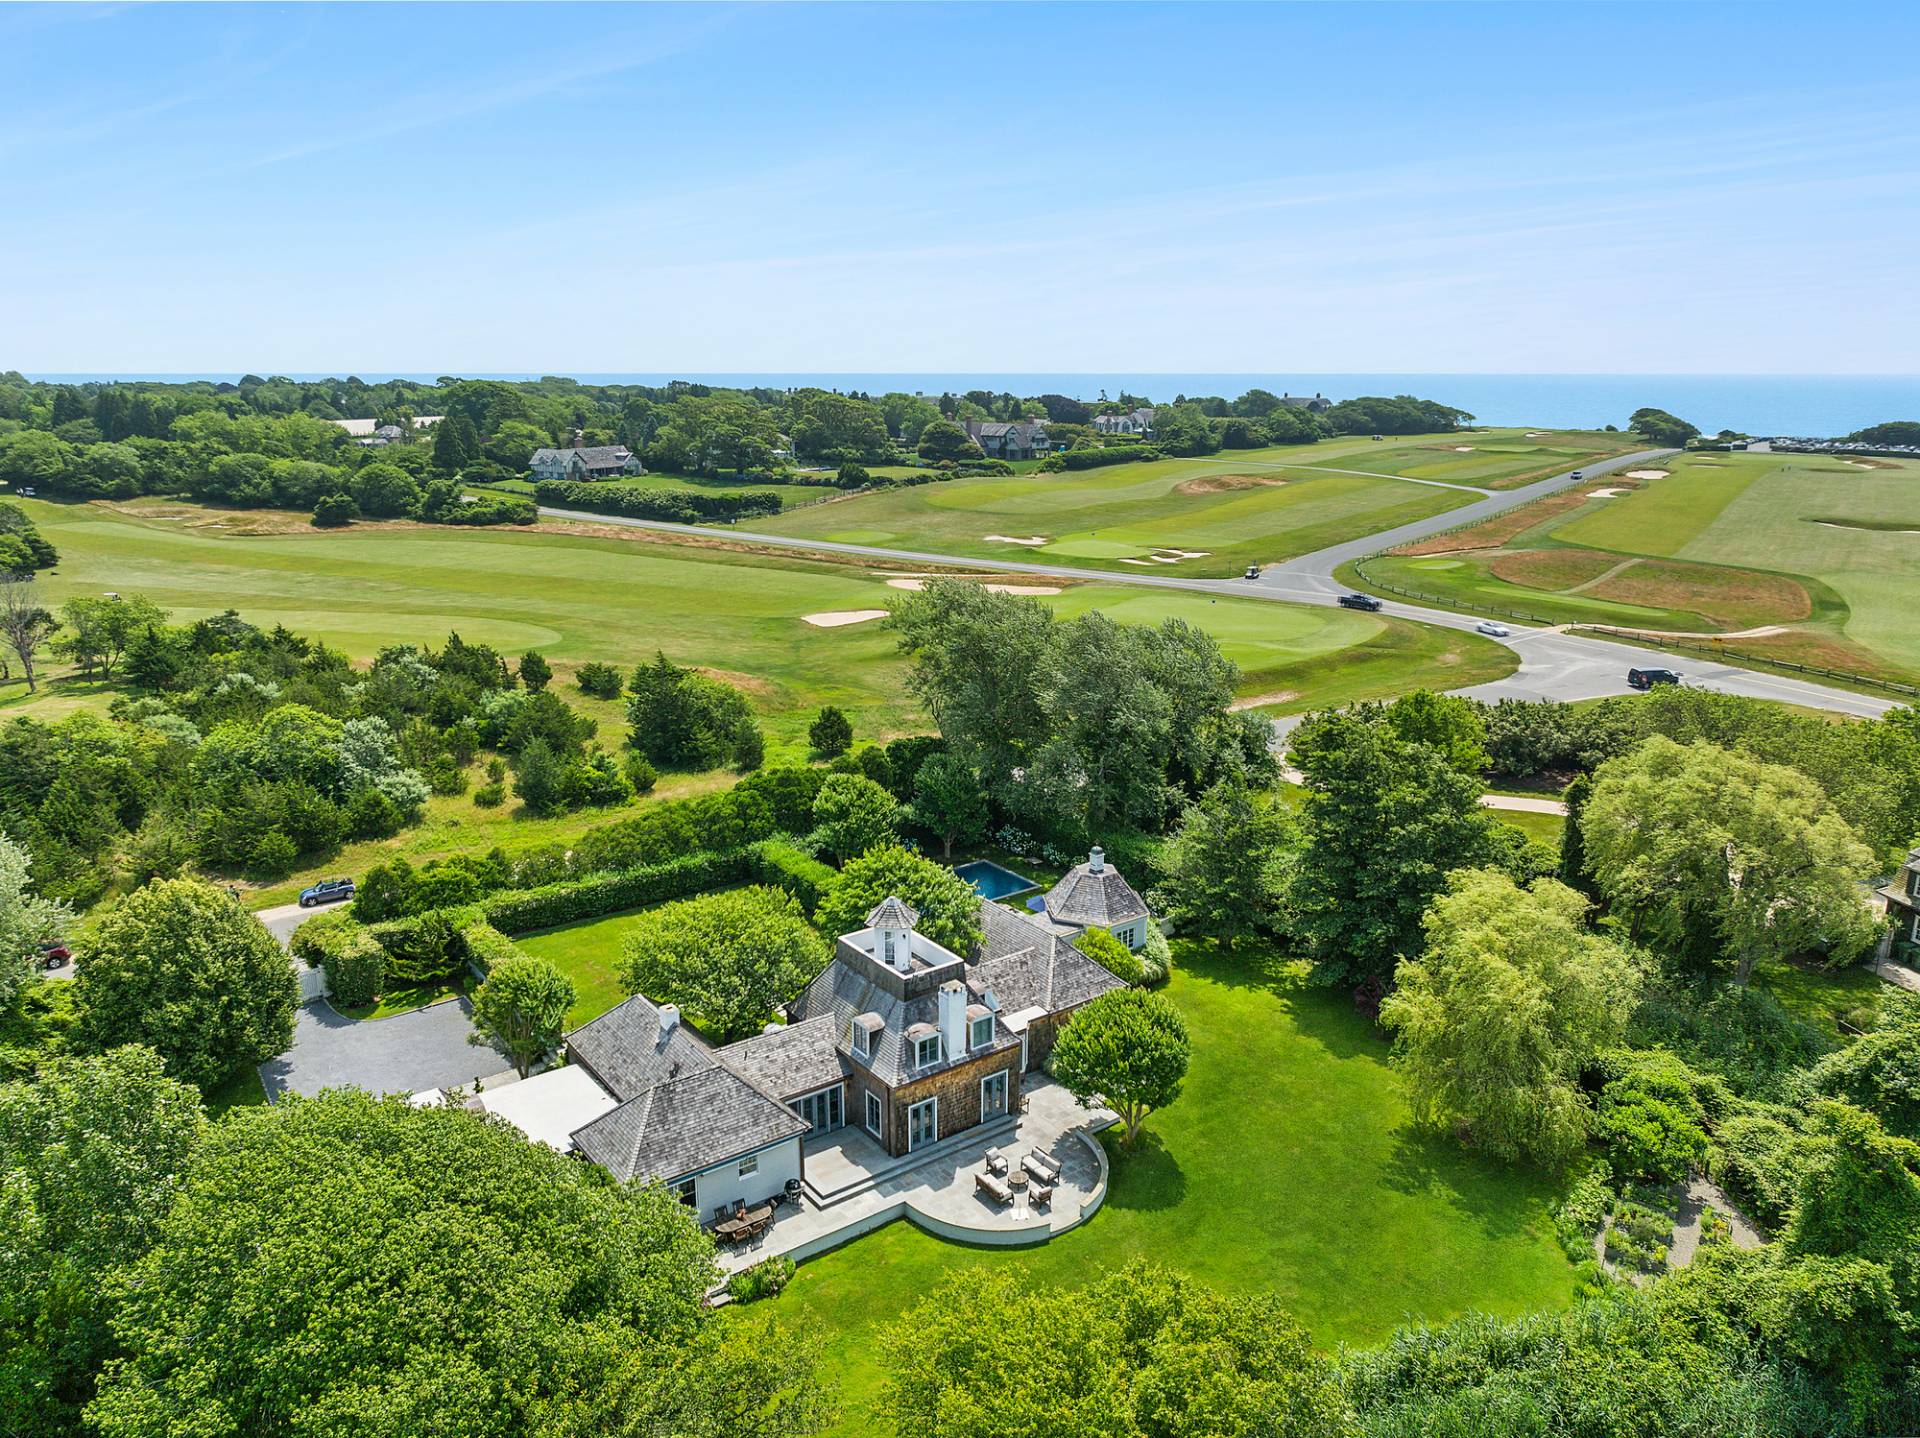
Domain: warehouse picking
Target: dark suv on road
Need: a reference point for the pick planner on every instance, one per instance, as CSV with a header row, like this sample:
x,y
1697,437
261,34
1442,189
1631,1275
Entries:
x,y
1359,601
327,891
1647,678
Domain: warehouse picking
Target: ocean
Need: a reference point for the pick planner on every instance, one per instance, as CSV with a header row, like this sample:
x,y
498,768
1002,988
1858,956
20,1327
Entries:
x,y
1799,405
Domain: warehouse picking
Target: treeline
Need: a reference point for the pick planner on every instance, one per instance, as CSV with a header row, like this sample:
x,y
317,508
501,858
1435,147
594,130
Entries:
x,y
639,502
237,750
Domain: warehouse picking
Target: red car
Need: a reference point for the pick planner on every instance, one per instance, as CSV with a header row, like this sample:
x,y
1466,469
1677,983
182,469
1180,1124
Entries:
x,y
53,954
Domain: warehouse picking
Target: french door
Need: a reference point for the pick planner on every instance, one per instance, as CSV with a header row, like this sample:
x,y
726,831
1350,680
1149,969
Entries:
x,y
923,1123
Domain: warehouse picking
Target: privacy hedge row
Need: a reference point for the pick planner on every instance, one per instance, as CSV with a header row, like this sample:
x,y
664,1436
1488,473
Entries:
x,y
354,961
784,867
677,506
772,801
543,908
1092,457
486,946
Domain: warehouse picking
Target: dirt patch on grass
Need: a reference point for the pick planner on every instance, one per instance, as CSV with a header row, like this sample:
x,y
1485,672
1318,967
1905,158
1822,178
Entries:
x,y
1255,701
761,690
1495,531
840,618
1552,569
1218,483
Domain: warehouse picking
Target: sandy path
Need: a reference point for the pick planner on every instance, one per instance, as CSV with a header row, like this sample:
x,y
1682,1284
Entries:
x,y
1619,568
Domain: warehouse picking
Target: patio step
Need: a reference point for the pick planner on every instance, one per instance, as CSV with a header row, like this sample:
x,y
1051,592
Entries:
x,y
1004,1127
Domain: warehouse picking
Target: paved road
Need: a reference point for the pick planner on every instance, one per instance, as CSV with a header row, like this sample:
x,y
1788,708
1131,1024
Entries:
x,y
282,921
1553,665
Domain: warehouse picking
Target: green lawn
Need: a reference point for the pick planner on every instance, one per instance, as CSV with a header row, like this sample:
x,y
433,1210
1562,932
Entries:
x,y
1287,1164
1547,828
588,953
1821,997
1826,550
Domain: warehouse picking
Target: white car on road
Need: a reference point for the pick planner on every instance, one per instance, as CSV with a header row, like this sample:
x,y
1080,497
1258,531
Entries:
x,y
1488,626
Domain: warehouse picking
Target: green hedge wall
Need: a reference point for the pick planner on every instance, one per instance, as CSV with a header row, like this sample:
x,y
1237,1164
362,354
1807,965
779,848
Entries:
x,y
677,506
785,867
544,908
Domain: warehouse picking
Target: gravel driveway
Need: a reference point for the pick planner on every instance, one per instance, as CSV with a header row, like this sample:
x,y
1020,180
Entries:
x,y
424,1049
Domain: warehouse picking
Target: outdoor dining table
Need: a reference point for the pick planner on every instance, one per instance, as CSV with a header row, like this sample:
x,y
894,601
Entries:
x,y
744,1223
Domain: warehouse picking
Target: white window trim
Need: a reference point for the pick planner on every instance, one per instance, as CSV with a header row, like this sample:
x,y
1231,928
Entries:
x,y
915,1108
973,1032
861,1041
748,1166
920,1060
875,1113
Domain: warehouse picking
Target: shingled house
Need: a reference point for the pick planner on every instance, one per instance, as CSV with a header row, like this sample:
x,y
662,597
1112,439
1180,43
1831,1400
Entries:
x,y
1020,439
594,461
1134,421
1903,901
908,1040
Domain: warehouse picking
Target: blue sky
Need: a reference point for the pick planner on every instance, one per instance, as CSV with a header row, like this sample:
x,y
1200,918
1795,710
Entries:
x,y
1033,188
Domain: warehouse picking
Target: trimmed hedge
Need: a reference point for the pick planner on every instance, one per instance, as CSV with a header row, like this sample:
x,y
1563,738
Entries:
x,y
353,960
566,903
1100,456
674,505
487,946
784,867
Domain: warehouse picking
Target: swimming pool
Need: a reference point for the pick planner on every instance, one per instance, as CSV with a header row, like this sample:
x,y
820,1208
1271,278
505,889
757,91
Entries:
x,y
993,881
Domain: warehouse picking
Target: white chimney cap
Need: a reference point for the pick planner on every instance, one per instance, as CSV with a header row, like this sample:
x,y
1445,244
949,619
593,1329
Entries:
x,y
1096,860
669,1018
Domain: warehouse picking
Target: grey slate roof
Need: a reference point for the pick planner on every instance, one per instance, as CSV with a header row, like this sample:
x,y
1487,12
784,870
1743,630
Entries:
x,y
623,1050
790,1061
594,456
1089,899
893,912
682,1109
1028,967
687,1124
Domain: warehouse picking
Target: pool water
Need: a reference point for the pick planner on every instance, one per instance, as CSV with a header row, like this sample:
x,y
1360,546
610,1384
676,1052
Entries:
x,y
993,881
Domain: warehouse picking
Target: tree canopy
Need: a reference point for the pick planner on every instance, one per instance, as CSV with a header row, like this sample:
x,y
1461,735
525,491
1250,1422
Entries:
x,y
1508,1002
948,905
522,1006
729,959
1719,857
1225,871
1127,1049
181,967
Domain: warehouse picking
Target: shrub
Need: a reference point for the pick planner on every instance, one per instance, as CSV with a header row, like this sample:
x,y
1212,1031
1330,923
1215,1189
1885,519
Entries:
x,y
599,681
1649,1137
1108,952
490,795
785,867
831,734
334,510
386,891
640,774
486,946
1155,956
672,505
347,952
423,949
1758,1158
272,856
761,1280
1583,1210
1099,456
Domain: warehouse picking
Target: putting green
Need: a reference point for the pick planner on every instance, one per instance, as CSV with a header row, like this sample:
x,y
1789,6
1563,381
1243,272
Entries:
x,y
1096,548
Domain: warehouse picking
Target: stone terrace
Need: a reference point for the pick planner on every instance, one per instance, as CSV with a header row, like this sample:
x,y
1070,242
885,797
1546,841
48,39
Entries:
x,y
853,1187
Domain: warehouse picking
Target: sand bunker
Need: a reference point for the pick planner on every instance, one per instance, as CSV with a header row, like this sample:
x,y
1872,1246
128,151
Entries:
x,y
1216,483
1184,553
1861,528
1147,562
996,588
1463,449
1538,433
1009,539
1255,701
1647,474
834,618
1607,493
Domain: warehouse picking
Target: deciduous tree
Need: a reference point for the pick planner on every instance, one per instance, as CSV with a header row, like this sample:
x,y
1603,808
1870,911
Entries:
x,y
947,801
521,1008
728,959
1510,999
1127,1049
948,905
1224,873
181,967
1715,856
852,814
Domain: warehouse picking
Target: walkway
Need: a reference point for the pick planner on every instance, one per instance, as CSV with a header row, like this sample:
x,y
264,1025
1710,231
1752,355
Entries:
x,y
865,1188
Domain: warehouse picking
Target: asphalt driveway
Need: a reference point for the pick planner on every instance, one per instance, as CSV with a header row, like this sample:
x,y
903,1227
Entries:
x,y
424,1049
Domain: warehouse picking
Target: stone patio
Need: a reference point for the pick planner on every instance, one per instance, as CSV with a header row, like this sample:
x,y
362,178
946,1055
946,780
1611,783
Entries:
x,y
852,1186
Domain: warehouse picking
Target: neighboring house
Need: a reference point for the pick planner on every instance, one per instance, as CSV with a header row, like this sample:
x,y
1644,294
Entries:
x,y
1318,404
392,432
897,1036
595,461
1138,421
1903,900
1094,896
1021,439
364,428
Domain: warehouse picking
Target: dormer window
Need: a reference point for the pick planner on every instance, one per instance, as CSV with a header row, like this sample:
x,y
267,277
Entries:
x,y
982,1034
926,1050
860,1050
